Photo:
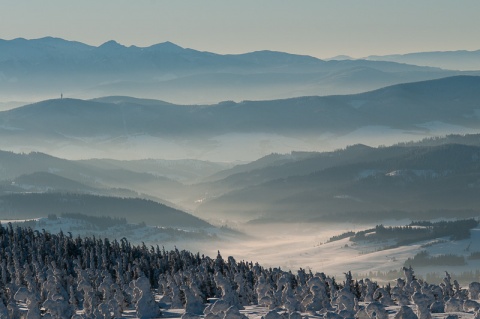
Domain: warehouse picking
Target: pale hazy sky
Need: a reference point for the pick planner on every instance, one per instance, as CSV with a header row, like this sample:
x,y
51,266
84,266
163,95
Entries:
x,y
315,27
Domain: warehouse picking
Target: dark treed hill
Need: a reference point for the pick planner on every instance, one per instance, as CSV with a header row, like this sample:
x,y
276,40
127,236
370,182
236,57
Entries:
x,y
416,232
426,101
465,139
276,167
90,118
17,164
45,181
42,182
120,99
33,205
271,160
294,164
387,182
423,259
102,222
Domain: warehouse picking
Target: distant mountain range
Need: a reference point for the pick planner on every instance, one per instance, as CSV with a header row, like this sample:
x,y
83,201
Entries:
x,y
451,60
122,127
433,178
45,68
284,108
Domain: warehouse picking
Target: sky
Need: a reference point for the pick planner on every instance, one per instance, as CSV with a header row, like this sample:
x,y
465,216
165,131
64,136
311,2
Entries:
x,y
318,28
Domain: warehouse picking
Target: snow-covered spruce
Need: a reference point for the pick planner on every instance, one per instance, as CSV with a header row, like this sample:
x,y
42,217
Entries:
x,y
45,275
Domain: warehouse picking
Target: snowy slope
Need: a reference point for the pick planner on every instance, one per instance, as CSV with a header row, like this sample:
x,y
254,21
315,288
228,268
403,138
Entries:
x,y
293,248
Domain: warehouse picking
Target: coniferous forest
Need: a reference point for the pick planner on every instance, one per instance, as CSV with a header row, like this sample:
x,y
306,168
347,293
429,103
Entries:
x,y
46,275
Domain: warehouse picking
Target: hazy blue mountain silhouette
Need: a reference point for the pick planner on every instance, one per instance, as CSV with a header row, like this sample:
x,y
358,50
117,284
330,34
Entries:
x,y
453,60
40,68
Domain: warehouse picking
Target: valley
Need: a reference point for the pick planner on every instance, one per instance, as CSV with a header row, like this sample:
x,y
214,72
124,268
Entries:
x,y
277,160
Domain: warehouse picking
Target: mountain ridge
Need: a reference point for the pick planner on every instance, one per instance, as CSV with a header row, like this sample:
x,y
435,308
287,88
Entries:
x,y
406,182
42,68
442,106
454,60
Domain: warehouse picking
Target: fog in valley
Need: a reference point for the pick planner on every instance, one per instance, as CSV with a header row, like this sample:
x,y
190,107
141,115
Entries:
x,y
280,210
